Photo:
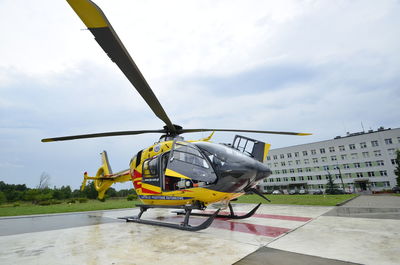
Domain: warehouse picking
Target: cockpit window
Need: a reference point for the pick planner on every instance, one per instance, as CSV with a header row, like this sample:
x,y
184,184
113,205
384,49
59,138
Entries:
x,y
188,154
220,152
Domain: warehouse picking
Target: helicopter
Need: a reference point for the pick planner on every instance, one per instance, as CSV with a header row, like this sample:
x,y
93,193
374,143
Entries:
x,y
174,173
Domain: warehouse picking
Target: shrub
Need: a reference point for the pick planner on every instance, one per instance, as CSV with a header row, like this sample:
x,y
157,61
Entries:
x,y
16,204
52,201
44,203
132,197
82,200
102,200
71,201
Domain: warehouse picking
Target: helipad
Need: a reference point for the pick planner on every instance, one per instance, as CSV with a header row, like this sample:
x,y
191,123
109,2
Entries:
x,y
101,238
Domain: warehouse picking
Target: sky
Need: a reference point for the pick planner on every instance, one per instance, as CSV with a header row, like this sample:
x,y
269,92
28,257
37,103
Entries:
x,y
324,67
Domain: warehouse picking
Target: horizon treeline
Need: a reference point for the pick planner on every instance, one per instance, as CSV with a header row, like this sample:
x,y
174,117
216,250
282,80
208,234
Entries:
x,y
20,192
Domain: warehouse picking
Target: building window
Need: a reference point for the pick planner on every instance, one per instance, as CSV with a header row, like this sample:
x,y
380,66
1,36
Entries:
x,y
341,148
308,169
363,145
296,154
337,176
271,180
391,151
331,149
306,161
285,179
374,143
278,179
365,154
323,159
333,158
315,160
368,164
377,153
282,156
319,177
309,177
283,163
326,176
290,163
293,179
275,157
298,162
344,157
347,175
386,184
289,155
380,163
388,141
320,186
357,165
291,170
284,171
346,166
352,146
326,167
316,168
359,174
268,158
275,164
393,161
354,156
277,172
383,173
299,170
322,150
313,151
371,174
398,139
301,178
305,153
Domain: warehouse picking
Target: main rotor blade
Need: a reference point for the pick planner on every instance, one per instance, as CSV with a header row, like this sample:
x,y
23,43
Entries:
x,y
237,130
93,17
95,135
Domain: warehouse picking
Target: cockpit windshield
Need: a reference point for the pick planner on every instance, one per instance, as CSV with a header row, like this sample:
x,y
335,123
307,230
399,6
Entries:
x,y
220,152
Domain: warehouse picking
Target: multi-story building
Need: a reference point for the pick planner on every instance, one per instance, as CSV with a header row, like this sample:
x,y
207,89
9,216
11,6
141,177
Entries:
x,y
363,161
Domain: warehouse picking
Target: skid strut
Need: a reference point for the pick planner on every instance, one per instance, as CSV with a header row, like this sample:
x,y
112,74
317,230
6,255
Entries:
x,y
183,226
231,215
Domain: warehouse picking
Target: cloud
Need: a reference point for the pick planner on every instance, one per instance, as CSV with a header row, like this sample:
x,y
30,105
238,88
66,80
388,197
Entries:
x,y
312,66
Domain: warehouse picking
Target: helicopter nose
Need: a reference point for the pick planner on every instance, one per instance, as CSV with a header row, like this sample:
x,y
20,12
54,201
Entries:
x,y
262,171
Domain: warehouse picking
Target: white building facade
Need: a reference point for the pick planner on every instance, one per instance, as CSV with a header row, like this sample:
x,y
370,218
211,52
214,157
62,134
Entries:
x,y
360,162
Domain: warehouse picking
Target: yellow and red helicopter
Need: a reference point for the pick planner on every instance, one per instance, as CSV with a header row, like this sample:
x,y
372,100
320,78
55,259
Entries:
x,y
174,173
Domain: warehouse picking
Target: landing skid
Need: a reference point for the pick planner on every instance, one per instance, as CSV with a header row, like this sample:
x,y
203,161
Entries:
x,y
232,215
183,226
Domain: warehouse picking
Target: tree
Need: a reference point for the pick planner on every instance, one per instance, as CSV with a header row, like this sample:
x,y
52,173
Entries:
x,y
397,170
44,181
331,187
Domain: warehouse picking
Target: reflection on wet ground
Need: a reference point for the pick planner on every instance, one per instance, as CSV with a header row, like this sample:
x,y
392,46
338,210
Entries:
x,y
26,224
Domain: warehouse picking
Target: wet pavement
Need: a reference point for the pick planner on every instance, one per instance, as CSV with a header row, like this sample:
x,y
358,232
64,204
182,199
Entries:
x,y
30,224
372,206
276,234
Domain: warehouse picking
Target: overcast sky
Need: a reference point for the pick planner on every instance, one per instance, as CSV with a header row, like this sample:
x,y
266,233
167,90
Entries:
x,y
309,66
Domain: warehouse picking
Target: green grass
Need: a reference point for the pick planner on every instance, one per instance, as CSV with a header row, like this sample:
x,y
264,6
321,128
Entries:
x,y
91,205
322,200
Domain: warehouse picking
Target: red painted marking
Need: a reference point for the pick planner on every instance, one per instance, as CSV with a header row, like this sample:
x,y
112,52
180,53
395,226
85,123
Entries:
x,y
272,216
261,230
144,190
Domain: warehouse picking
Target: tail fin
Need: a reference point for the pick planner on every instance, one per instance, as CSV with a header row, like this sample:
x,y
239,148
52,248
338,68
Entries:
x,y
101,183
